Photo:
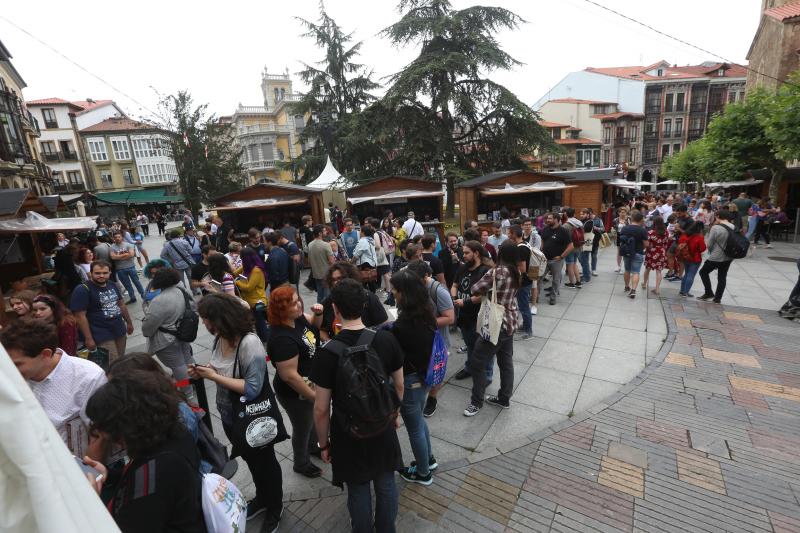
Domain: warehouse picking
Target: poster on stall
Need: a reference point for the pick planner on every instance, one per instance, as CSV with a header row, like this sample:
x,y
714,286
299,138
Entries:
x,y
524,212
495,215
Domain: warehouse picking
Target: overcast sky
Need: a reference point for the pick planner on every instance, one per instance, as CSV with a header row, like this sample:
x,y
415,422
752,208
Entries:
x,y
217,50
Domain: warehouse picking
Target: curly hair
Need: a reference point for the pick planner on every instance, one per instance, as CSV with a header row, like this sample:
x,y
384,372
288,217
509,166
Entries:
x,y
139,409
227,316
29,335
280,304
347,270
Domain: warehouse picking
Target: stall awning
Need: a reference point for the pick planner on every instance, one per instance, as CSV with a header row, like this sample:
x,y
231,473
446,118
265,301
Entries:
x,y
622,184
726,184
36,223
668,182
393,195
542,186
263,203
140,196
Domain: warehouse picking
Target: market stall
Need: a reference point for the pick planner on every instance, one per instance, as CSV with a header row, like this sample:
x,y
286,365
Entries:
x,y
269,205
401,194
332,184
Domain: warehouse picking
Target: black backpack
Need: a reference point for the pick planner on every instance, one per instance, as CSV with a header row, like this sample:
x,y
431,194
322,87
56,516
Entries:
x,y
627,245
186,329
365,397
737,245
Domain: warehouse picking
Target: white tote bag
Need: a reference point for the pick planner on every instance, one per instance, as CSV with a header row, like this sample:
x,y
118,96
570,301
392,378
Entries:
x,y
490,315
224,506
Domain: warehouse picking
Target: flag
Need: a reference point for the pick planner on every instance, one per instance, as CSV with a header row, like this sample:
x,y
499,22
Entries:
x,y
186,139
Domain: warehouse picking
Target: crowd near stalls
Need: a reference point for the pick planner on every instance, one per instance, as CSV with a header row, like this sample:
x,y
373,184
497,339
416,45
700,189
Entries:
x,y
395,295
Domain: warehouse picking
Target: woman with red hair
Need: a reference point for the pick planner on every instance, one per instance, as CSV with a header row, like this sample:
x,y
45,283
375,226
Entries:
x,y
50,309
293,340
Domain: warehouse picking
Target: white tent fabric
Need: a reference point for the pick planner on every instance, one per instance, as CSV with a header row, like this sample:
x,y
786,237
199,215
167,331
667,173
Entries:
x,y
623,184
36,223
541,186
726,184
394,194
263,203
669,182
330,178
42,489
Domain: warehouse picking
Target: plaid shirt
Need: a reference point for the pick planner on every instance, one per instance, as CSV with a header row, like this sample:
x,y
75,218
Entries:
x,y
506,295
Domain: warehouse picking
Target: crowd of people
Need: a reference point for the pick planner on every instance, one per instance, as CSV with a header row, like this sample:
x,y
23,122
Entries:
x,y
345,370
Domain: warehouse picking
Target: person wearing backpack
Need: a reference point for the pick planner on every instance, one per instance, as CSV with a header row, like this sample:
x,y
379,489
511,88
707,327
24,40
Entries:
x,y
159,327
633,241
717,242
359,438
414,330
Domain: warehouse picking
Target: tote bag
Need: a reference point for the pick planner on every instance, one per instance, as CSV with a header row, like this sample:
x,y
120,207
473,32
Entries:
x,y
490,315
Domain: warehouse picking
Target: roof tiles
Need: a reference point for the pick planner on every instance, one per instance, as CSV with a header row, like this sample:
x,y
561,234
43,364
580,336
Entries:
x,y
785,12
118,124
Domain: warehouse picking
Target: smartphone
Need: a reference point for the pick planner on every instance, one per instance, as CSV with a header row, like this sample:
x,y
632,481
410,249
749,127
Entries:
x,y
86,468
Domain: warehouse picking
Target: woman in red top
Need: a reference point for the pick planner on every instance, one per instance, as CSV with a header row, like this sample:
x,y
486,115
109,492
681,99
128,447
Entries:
x,y
50,309
690,247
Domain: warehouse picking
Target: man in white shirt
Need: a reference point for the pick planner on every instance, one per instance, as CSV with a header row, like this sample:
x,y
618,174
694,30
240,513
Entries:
x,y
665,209
412,227
62,383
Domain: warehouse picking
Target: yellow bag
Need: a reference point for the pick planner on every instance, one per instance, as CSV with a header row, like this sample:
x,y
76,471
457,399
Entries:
x,y
605,240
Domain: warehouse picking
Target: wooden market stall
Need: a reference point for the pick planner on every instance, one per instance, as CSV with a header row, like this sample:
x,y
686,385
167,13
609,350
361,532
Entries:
x,y
526,192
269,204
401,194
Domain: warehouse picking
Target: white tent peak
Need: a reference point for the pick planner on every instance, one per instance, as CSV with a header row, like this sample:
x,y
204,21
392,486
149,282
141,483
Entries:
x,y
330,178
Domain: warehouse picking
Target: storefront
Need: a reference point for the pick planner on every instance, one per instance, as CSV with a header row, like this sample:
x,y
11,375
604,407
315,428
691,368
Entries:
x,y
400,194
269,205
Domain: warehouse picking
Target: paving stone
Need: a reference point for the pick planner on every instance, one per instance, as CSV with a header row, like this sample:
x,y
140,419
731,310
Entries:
x,y
628,454
713,388
675,358
709,443
732,358
765,388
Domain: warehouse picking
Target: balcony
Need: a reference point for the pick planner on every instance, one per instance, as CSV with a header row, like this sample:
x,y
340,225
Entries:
x,y
619,141
70,156
651,134
53,157
653,109
263,164
698,107
264,128
695,134
65,188
679,108
650,159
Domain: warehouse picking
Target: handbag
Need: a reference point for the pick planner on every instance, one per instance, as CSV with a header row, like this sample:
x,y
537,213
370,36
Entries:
x,y
490,315
368,275
224,506
258,422
605,241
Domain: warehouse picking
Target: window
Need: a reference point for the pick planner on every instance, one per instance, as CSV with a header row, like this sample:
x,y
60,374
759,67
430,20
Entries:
x,y
57,177
606,154
97,149
556,133
120,147
280,155
634,133
668,103
105,178
299,123
660,72
731,97
48,147
277,95
49,115
596,157
620,132
74,177
721,72
676,148
679,101
664,151
573,134
667,127
127,176
587,158
578,157
632,156
653,103
607,134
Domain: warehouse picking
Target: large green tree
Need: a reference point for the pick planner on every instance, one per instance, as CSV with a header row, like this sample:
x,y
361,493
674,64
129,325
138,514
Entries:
x,y
443,116
782,123
691,164
339,88
205,153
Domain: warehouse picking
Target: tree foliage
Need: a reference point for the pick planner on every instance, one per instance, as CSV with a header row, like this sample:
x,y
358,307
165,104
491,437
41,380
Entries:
x,y
209,165
692,164
782,121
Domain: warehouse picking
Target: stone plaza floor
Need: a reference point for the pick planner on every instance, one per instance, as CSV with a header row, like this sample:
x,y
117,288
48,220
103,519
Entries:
x,y
652,414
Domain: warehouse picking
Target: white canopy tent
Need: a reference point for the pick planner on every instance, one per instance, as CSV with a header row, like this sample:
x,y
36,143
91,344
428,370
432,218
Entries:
x,y
36,223
622,184
394,195
43,487
330,178
726,184
541,186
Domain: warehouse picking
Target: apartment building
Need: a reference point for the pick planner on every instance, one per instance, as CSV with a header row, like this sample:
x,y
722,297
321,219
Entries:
x,y
578,152
775,50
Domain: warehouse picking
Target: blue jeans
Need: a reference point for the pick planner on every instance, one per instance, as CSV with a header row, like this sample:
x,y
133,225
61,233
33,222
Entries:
x,y
633,264
415,392
359,503
586,274
470,335
690,271
524,304
322,290
128,277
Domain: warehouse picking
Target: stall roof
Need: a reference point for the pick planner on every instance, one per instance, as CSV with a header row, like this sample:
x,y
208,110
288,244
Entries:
x,y
394,194
15,201
726,184
264,203
542,186
623,184
267,185
139,196
586,174
52,202
36,223
480,180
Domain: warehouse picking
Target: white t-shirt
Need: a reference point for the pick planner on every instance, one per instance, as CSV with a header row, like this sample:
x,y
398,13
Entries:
x,y
63,395
327,216
665,210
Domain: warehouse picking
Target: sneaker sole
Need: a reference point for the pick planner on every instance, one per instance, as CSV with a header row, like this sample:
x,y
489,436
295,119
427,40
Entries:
x,y
428,415
499,405
257,513
420,481
468,413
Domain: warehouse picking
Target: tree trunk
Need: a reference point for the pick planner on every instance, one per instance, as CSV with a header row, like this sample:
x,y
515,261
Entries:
x,y
451,196
775,183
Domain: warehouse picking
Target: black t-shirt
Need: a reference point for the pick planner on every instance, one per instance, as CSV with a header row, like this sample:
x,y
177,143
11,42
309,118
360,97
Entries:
x,y
222,238
374,313
435,264
524,254
308,234
359,460
199,270
285,343
555,241
639,235
465,279
416,342
450,265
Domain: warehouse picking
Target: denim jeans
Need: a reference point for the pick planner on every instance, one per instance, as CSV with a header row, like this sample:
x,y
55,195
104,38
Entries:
x,y
484,351
262,328
524,304
322,290
690,271
470,335
129,278
415,392
586,274
359,503
595,250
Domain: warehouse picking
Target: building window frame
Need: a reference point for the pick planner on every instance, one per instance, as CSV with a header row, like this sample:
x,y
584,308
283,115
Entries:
x,y
106,179
97,148
127,176
74,177
50,118
121,148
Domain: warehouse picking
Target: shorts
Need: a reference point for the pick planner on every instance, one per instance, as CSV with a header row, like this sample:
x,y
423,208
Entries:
x,y
633,264
572,257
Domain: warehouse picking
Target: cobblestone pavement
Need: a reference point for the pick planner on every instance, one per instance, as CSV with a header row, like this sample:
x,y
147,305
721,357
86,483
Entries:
x,y
706,438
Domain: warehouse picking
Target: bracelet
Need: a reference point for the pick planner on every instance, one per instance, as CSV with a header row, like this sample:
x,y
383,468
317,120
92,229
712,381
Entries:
x,y
323,448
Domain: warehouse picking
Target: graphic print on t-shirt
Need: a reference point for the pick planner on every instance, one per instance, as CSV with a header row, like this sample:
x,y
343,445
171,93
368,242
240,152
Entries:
x,y
109,303
310,340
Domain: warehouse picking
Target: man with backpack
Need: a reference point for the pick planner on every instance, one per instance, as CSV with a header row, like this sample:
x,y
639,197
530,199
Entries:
x,y
633,241
724,245
178,253
361,370
524,291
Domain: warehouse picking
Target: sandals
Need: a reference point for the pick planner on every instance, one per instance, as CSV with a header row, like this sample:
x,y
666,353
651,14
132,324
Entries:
x,y
655,292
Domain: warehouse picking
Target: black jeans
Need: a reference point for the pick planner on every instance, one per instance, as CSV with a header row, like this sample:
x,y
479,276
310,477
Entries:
x,y
762,229
266,473
483,352
301,413
722,276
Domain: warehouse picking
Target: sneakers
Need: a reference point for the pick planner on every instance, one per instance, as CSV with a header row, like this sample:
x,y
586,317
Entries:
x,y
432,464
569,285
463,349
705,297
494,400
310,470
255,508
271,522
462,374
594,272
618,270
471,410
410,474
552,300
675,278
578,285
627,289
632,294
430,407
687,295
534,310
524,337
769,246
